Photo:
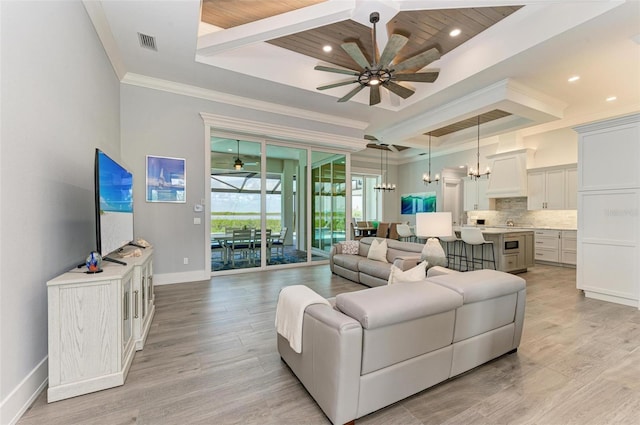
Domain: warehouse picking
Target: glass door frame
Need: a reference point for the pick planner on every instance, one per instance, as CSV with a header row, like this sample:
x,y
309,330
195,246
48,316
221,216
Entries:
x,y
212,132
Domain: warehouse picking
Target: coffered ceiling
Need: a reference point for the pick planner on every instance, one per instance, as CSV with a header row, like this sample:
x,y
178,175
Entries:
x,y
512,58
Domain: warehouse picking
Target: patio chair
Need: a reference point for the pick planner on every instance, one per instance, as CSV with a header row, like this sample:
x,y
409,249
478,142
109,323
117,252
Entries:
x,y
241,243
258,244
278,244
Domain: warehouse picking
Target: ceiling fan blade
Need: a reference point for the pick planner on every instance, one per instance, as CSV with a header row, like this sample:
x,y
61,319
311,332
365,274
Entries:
x,y
418,61
336,70
374,95
351,93
356,54
401,91
396,42
330,86
420,77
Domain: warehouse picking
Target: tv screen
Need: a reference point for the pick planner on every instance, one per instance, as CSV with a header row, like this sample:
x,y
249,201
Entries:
x,y
114,204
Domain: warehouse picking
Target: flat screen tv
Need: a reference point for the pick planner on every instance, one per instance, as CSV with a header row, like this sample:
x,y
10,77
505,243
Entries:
x,y
114,205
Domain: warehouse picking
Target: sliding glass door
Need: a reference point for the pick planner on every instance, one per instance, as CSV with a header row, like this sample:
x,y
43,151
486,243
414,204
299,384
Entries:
x,y
329,182
236,204
286,205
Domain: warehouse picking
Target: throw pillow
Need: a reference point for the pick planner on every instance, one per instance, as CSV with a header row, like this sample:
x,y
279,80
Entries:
x,y
433,253
378,251
415,274
350,247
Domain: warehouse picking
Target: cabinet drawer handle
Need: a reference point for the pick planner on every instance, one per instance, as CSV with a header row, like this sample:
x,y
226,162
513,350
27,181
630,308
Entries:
x,y
135,304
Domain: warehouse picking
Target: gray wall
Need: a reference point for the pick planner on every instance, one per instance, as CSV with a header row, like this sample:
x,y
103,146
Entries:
x,y
60,100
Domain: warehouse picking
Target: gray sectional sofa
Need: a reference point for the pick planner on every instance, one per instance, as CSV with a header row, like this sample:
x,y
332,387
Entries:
x,y
380,345
359,269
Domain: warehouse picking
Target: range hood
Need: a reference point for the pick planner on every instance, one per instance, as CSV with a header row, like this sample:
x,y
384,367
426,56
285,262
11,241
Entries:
x,y
509,173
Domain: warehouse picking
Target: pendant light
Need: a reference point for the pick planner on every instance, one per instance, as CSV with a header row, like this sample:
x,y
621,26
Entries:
x,y
475,173
426,178
238,164
384,186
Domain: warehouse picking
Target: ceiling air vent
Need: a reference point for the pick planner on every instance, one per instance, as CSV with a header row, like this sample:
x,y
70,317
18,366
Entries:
x,y
147,41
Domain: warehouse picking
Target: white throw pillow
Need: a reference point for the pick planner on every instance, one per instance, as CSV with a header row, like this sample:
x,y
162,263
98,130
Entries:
x,y
433,253
378,251
415,274
350,247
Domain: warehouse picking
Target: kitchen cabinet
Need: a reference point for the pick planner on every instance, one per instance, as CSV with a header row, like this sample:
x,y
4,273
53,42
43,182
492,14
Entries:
x,y
475,195
552,188
608,244
547,244
93,329
568,245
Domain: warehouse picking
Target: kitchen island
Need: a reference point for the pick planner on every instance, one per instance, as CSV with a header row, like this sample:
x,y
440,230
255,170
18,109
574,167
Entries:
x,y
514,248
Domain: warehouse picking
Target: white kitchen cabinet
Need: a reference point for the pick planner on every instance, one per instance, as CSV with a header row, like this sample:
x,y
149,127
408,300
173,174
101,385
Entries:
x,y
92,326
568,247
552,188
475,195
571,188
608,203
547,244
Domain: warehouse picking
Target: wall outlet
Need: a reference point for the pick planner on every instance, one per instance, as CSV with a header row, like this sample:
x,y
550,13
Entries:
x,y
185,260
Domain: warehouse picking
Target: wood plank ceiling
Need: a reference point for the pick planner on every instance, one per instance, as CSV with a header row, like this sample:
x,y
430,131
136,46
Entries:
x,y
425,29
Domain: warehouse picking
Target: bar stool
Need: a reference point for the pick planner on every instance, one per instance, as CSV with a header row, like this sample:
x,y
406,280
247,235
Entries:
x,y
452,242
404,232
473,236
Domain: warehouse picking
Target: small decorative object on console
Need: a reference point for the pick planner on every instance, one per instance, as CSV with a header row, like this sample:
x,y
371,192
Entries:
x,y
94,262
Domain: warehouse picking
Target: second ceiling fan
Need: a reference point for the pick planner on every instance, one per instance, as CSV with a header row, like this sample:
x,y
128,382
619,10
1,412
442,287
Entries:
x,y
380,72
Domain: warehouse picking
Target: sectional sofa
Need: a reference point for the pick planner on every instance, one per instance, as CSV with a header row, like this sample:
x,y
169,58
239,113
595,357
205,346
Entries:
x,y
374,347
359,268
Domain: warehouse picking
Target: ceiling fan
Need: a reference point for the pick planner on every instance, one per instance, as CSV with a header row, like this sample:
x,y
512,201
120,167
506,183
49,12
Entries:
x,y
381,72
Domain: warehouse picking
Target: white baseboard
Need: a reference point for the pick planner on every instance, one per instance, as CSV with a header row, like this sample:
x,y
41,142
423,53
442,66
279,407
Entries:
x,y
169,278
18,401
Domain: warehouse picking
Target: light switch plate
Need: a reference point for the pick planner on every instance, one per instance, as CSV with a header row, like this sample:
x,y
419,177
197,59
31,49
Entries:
x,y
196,220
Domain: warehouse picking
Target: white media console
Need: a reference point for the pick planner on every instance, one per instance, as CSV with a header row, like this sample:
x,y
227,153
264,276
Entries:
x,y
96,324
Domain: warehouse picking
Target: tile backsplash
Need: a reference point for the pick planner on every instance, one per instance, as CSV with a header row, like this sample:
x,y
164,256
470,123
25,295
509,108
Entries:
x,y
515,209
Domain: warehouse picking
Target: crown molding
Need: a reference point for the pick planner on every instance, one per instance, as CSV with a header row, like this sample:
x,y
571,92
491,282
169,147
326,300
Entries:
x,y
243,102
280,132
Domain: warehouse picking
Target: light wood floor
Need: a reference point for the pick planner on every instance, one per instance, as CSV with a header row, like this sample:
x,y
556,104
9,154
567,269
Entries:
x,y
211,359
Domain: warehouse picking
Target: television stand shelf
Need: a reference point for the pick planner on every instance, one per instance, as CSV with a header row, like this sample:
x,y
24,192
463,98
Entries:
x,y
96,323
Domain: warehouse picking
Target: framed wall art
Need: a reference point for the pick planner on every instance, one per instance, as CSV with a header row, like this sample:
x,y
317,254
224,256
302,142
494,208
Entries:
x,y
411,203
166,179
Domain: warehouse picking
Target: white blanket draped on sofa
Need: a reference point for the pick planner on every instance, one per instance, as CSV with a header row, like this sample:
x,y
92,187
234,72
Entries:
x,y
292,302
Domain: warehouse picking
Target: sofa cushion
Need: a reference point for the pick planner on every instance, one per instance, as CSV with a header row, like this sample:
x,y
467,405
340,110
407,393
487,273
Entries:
x,y
378,251
374,268
480,285
347,261
415,274
389,304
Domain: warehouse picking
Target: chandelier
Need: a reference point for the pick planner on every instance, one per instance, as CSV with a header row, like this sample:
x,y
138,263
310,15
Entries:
x,y
426,178
474,173
384,186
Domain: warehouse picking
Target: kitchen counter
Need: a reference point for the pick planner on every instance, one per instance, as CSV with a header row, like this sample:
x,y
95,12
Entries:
x,y
513,247
518,228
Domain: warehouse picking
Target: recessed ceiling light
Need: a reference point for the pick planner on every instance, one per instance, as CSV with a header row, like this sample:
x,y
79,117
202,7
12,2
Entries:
x,y
574,78
462,166
455,32
611,98
327,48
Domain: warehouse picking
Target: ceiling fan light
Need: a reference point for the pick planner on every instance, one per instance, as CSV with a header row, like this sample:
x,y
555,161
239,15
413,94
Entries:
x,y
374,81
238,164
